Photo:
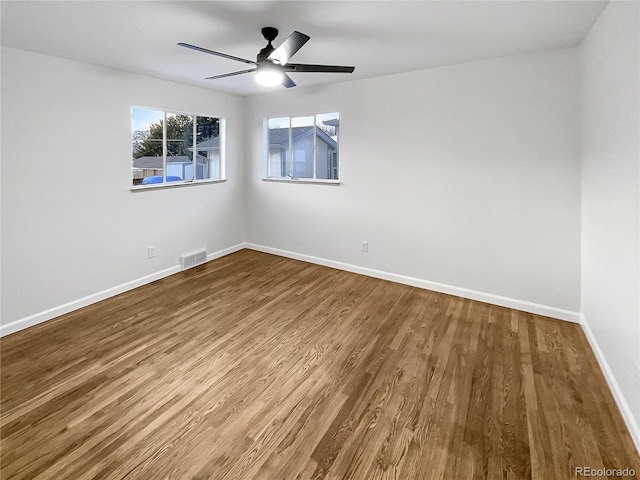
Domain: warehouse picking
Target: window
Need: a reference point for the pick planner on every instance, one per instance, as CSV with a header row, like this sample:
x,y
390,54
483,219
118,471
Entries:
x,y
175,147
303,147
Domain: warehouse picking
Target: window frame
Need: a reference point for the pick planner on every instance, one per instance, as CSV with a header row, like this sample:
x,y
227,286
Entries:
x,y
266,171
222,132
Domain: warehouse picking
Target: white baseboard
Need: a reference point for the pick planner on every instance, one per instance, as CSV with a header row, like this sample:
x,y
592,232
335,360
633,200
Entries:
x,y
226,251
54,312
530,307
623,405
416,282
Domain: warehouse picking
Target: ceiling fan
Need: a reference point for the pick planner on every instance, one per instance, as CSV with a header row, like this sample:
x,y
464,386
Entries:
x,y
272,64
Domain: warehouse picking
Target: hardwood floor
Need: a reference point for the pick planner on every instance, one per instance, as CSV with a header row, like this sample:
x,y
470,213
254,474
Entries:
x,y
259,367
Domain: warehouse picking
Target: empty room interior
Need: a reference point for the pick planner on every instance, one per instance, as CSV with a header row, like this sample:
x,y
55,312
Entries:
x,y
320,240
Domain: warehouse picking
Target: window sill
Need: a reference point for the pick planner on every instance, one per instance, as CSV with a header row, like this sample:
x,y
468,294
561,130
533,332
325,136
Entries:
x,y
302,180
156,186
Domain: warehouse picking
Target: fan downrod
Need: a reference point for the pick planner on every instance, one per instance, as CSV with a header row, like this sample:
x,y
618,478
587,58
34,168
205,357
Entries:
x,y
269,33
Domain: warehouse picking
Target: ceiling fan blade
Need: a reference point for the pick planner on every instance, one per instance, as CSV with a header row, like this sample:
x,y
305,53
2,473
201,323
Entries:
x,y
287,82
231,74
288,48
223,55
303,67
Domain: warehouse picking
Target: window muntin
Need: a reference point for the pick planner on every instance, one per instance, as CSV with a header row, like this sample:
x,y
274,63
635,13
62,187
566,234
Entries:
x,y
163,147
302,147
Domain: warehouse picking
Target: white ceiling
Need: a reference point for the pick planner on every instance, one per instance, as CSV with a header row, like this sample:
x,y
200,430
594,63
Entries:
x,y
377,37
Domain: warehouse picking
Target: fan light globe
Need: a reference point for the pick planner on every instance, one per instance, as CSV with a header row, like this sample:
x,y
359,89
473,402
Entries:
x,y
268,77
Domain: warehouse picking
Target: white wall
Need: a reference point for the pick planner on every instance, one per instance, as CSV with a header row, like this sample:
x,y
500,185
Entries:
x,y
609,59
465,175
71,226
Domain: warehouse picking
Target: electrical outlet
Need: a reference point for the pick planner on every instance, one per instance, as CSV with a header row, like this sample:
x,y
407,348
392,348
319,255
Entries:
x,y
151,252
365,246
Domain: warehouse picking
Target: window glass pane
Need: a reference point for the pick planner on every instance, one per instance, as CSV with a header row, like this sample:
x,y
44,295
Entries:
x,y
302,146
278,147
301,122
282,122
179,151
208,148
146,145
152,140
328,125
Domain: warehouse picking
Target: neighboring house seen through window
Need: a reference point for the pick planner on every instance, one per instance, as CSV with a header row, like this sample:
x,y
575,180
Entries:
x,y
304,147
163,147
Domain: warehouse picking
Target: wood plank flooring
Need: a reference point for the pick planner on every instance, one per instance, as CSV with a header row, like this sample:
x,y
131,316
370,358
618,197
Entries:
x,y
260,367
